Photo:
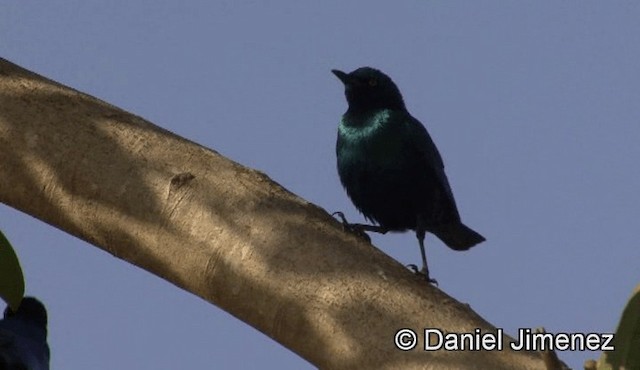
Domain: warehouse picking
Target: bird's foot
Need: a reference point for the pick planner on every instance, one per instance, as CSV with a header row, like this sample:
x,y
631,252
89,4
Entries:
x,y
423,273
352,228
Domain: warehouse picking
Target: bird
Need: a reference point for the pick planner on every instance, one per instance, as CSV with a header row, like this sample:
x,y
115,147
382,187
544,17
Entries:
x,y
23,337
391,169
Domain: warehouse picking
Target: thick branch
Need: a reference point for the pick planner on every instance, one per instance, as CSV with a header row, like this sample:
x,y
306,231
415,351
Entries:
x,y
219,230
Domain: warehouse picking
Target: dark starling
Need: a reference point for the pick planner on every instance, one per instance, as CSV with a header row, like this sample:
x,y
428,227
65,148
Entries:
x,y
23,337
391,168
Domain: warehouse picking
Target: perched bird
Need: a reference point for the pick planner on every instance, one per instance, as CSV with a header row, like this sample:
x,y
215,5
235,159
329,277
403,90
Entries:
x,y
23,337
390,167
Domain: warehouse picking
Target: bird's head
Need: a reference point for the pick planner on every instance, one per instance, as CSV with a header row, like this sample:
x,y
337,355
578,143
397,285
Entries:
x,y
30,309
367,88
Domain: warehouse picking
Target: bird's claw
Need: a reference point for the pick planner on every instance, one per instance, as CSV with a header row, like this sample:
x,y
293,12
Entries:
x,y
341,216
424,273
351,227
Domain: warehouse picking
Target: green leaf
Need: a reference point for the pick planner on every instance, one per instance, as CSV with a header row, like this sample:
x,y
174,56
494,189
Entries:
x,y
11,278
627,338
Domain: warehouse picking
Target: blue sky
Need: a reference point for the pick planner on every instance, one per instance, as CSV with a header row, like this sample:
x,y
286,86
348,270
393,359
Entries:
x,y
533,105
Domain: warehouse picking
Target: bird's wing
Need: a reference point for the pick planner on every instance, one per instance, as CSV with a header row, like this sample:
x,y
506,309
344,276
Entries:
x,y
424,148
423,143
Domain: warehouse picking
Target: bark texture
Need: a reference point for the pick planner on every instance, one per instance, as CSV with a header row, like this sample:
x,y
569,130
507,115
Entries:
x,y
224,232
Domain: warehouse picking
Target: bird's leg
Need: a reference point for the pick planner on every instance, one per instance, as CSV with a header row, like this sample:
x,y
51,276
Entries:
x,y
359,229
425,267
420,233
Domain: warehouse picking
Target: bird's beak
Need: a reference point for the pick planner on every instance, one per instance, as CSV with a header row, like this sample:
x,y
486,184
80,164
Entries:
x,y
344,77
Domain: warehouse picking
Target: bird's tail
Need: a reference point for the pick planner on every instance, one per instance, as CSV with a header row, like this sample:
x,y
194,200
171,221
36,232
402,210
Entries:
x,y
458,236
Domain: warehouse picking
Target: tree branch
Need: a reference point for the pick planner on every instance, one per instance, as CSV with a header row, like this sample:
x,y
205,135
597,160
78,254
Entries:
x,y
224,232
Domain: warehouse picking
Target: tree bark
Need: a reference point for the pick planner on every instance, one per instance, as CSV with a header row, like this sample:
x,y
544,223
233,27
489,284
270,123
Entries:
x,y
224,232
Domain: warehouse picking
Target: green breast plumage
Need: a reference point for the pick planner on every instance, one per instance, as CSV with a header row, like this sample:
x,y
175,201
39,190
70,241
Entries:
x,y
374,139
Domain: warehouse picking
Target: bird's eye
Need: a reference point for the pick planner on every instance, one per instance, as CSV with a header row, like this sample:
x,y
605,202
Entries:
x,y
373,82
